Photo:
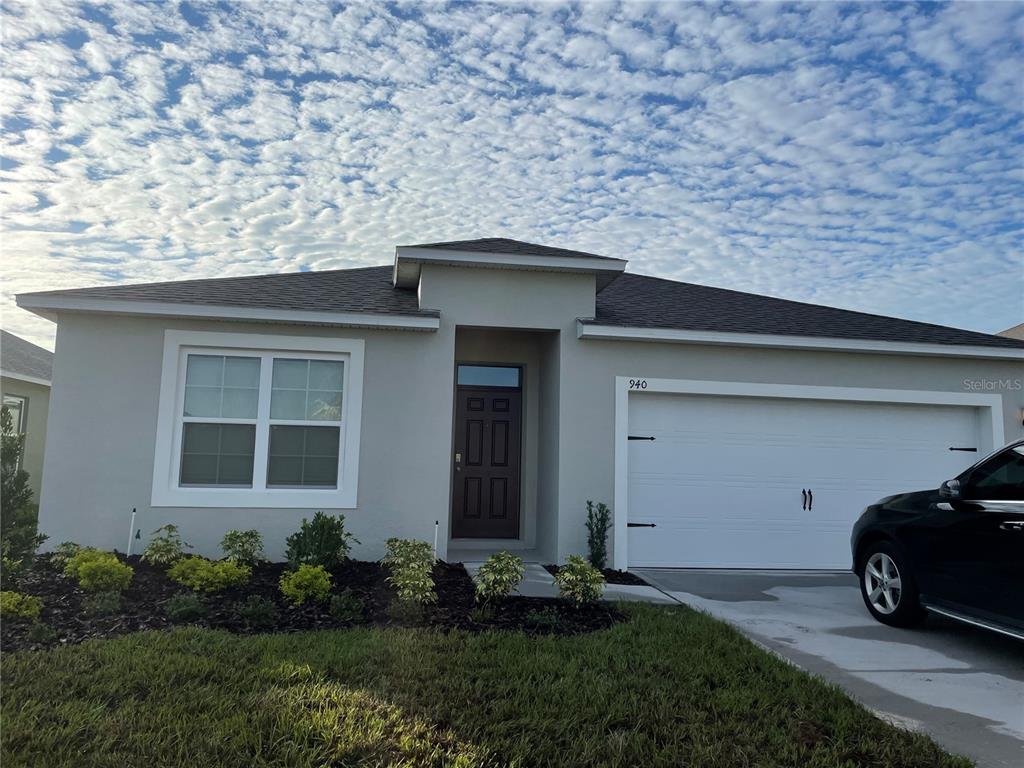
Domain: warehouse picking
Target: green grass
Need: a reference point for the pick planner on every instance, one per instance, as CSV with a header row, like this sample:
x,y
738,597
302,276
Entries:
x,y
668,687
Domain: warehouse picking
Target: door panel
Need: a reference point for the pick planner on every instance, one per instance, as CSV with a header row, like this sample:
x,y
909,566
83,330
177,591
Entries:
x,y
488,445
723,479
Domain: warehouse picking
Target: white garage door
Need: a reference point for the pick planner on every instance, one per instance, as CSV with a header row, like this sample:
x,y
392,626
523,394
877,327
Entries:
x,y
722,482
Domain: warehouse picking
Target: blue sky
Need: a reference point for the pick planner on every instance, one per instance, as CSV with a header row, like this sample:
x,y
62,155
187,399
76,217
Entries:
x,y
866,156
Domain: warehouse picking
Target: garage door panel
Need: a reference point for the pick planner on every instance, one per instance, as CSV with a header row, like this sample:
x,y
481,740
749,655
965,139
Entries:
x,y
722,480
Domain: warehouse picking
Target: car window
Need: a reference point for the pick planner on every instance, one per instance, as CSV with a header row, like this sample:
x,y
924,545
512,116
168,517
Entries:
x,y
1000,478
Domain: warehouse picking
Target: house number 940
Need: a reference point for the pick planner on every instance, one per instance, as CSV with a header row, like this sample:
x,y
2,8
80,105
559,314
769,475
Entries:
x,y
638,383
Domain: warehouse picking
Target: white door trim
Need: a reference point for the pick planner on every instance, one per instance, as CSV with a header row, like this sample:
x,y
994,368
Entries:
x,y
991,428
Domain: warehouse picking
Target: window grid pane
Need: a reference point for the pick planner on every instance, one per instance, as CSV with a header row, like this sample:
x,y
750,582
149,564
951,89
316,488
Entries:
x,y
221,386
303,456
217,454
307,390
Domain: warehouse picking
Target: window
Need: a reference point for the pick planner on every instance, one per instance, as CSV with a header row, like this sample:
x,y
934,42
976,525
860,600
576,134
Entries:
x,y
1001,478
488,376
260,421
17,406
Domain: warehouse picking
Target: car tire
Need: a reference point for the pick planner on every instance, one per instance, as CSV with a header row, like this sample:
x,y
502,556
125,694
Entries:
x,y
887,585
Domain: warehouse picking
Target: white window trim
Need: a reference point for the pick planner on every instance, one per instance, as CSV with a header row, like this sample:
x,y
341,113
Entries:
x,y
167,459
991,428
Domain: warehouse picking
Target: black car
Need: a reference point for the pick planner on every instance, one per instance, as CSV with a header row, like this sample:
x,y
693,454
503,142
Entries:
x,y
957,550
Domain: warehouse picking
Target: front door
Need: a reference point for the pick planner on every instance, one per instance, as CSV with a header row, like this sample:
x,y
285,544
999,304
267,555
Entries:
x,y
488,440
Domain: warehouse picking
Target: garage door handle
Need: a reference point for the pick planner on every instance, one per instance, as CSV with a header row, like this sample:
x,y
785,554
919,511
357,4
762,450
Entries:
x,y
803,504
810,499
641,525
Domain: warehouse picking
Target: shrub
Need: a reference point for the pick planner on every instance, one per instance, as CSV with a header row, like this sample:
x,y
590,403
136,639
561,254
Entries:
x,y
102,603
244,547
411,563
204,575
308,582
10,570
257,612
99,571
579,582
19,537
41,633
321,541
499,576
14,605
165,546
598,522
63,552
185,607
346,606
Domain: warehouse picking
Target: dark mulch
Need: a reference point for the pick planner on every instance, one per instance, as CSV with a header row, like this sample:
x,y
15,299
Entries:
x,y
611,576
143,606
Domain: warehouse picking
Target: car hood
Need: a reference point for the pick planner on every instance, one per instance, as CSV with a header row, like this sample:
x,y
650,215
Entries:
x,y
909,500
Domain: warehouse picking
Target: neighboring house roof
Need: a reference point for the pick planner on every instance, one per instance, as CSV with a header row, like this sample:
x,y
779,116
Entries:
x,y
638,301
20,359
504,245
1016,332
365,289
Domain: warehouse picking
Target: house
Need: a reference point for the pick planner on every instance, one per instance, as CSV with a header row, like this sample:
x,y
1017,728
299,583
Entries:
x,y
484,390
1016,332
25,373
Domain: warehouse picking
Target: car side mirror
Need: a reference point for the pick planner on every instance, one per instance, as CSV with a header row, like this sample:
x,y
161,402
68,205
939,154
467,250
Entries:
x,y
950,489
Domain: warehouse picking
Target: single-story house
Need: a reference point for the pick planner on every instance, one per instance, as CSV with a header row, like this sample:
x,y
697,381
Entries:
x,y
484,390
25,374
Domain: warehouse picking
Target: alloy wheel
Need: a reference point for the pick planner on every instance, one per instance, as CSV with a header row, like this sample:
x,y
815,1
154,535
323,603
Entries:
x,y
882,583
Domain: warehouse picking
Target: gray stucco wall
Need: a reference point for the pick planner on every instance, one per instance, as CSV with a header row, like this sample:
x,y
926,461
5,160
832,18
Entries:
x,y
35,430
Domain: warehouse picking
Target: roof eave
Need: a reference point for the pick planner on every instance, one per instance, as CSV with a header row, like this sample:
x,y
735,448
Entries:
x,y
590,329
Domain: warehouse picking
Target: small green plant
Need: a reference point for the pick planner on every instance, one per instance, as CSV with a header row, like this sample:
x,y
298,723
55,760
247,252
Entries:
x,y
165,546
346,606
482,614
320,541
98,571
102,603
306,583
41,633
204,575
599,519
63,552
19,535
184,608
544,619
257,612
10,572
243,547
579,582
14,605
411,564
499,576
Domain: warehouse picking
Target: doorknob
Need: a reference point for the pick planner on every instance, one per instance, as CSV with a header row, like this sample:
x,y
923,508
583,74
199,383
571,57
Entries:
x,y
458,462
1012,525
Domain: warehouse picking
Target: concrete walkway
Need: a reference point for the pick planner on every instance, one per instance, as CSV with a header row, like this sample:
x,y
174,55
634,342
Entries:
x,y
961,686
537,582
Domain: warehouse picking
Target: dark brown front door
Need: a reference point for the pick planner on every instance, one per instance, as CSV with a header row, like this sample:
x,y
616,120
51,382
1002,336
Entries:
x,y
488,436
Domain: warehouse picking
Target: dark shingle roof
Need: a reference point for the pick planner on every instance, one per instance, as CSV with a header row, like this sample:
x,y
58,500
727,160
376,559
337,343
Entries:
x,y
18,356
638,301
504,245
367,289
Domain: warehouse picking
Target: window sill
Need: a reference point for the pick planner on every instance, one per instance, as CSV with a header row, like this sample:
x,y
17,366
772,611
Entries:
x,y
247,498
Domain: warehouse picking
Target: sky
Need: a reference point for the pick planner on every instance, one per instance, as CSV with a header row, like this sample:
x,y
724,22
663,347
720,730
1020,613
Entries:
x,y
866,156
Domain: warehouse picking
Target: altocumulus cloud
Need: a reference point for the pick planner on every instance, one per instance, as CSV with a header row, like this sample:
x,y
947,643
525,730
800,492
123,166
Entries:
x,y
865,156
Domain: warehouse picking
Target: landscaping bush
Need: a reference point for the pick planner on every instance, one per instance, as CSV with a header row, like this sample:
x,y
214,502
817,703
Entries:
x,y
204,575
41,633
184,608
599,520
10,570
579,582
243,547
307,582
81,556
499,576
14,605
101,571
102,603
321,541
257,612
165,546
63,552
411,564
19,536
346,606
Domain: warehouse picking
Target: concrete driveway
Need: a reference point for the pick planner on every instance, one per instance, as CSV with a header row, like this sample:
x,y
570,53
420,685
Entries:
x,y
962,686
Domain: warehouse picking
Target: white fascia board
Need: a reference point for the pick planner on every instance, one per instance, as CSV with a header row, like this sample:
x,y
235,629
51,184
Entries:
x,y
48,306
408,259
586,330
24,377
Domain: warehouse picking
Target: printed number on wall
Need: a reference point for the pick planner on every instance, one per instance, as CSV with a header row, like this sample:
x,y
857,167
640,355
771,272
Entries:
x,y
638,383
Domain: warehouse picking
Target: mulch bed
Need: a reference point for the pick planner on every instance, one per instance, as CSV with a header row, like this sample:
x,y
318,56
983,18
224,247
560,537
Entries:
x,y
611,576
143,606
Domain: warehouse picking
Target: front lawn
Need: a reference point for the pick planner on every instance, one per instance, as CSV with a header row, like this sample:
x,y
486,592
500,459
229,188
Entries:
x,y
666,687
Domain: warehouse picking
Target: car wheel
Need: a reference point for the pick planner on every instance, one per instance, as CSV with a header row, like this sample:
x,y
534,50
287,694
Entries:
x,y
887,585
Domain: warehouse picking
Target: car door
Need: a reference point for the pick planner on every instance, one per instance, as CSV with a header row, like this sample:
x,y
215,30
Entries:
x,y
980,551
